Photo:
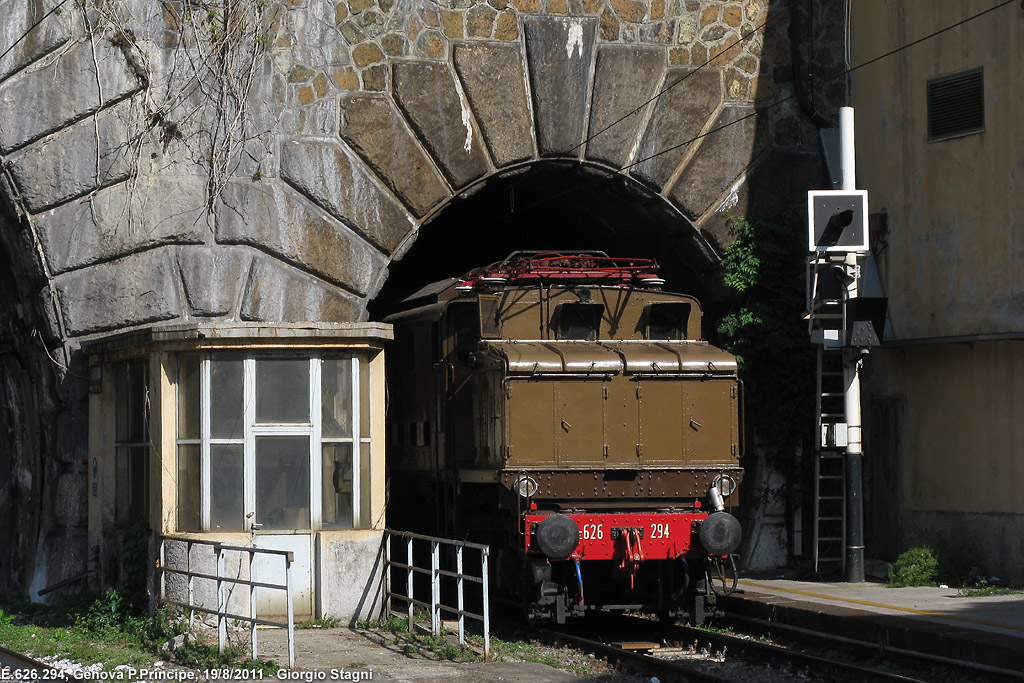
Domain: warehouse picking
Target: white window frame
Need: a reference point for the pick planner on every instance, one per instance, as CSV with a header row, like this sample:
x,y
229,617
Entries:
x,y
312,429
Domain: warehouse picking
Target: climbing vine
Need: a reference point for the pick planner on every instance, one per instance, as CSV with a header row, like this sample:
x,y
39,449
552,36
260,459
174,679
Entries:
x,y
201,94
764,266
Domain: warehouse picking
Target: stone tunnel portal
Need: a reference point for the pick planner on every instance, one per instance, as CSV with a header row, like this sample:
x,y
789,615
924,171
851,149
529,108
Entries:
x,y
553,205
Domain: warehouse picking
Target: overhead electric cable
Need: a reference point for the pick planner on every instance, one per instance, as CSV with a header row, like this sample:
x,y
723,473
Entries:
x,y
768,107
32,28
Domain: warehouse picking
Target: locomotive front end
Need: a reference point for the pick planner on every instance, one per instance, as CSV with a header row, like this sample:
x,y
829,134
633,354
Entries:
x,y
587,432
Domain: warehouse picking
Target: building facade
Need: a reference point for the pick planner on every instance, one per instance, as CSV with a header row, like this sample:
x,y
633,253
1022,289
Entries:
x,y
940,149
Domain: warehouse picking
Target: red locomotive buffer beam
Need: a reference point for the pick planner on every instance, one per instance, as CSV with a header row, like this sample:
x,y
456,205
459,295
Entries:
x,y
626,538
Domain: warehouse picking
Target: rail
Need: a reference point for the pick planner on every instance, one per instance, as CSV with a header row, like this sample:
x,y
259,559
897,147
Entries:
x,y
436,575
221,580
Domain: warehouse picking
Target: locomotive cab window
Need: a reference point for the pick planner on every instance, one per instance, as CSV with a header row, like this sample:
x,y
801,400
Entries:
x,y
579,321
464,327
667,320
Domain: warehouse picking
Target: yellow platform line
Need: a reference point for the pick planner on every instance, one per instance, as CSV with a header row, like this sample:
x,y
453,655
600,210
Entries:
x,y
912,610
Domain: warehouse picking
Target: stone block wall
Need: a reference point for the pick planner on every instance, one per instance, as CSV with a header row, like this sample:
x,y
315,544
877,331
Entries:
x,y
267,160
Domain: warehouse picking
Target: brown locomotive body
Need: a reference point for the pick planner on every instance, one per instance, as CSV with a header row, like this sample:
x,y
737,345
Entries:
x,y
563,409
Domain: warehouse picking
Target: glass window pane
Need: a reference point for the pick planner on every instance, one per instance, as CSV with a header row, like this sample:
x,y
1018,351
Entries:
x,y
139,468
282,482
122,483
336,397
365,522
282,391
121,398
188,396
226,487
188,487
337,486
226,416
364,396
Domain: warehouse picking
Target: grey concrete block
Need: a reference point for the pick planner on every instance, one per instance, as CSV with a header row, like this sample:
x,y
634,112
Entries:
x,y
560,52
120,219
276,293
213,278
55,92
138,289
18,18
626,76
724,155
376,131
275,218
678,117
94,152
350,572
71,505
440,115
493,77
336,180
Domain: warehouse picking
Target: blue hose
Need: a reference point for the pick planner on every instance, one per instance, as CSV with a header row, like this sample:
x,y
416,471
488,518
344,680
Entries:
x,y
579,576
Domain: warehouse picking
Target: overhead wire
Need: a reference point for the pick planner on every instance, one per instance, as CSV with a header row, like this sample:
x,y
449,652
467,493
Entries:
x,y
32,28
761,110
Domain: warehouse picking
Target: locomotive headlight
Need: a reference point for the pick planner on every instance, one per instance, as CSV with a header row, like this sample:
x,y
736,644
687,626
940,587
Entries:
x,y
725,485
526,486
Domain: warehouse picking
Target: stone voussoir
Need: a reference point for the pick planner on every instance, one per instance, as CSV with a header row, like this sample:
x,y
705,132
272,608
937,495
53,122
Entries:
x,y
560,52
428,94
138,289
691,98
65,165
55,92
336,180
626,76
376,131
275,217
493,79
276,293
212,278
724,156
122,219
28,45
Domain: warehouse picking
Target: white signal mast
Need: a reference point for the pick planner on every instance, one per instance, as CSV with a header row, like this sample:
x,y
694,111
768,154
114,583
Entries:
x,y
838,246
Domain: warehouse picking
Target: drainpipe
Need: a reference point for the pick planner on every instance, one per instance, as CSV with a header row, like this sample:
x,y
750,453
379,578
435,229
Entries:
x,y
854,460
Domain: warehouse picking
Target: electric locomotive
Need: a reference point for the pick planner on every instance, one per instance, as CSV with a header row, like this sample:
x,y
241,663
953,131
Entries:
x,y
565,410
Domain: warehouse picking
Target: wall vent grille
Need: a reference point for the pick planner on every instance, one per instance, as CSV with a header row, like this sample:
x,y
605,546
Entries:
x,y
956,105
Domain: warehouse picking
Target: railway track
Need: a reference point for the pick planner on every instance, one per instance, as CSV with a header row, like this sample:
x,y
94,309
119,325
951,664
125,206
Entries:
x,y
19,667
671,654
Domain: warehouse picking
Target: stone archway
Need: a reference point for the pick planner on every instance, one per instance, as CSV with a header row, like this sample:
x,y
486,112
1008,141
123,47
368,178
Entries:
x,y
450,127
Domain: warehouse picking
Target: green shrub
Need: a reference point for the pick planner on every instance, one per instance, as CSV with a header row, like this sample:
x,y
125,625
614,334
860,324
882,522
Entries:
x,y
916,567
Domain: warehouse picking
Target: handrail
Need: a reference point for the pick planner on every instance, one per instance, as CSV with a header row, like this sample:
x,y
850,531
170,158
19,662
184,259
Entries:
x,y
436,574
220,578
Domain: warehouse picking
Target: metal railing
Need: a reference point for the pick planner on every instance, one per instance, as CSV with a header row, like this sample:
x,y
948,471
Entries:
x,y
436,575
221,580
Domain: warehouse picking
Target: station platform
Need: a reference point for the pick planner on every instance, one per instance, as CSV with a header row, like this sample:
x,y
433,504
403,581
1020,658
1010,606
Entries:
x,y
345,654
988,631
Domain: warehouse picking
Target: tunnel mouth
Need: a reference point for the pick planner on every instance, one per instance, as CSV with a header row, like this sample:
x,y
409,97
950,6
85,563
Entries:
x,y
553,205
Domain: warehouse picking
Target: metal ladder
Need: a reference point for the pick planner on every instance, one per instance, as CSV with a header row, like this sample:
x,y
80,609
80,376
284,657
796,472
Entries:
x,y
829,466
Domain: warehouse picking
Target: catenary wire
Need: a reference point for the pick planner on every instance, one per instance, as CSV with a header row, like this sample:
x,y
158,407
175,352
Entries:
x,y
32,28
761,110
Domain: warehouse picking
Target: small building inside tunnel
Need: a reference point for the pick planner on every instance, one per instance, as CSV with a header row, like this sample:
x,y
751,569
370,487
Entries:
x,y
244,435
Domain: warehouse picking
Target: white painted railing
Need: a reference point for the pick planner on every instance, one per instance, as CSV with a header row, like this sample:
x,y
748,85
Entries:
x,y
414,564
222,597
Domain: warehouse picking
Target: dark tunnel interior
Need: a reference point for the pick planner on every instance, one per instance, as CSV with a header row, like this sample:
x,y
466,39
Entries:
x,y
553,206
